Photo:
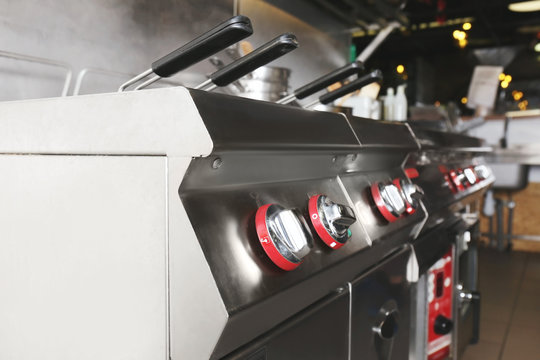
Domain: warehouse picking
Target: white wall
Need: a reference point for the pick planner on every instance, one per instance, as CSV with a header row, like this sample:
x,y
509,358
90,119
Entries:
x,y
520,132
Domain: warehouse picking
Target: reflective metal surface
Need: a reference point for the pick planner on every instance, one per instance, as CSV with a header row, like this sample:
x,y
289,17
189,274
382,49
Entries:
x,y
284,155
266,83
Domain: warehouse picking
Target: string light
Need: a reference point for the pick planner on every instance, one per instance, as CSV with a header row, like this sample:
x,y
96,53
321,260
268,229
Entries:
x,y
464,100
467,26
400,69
459,35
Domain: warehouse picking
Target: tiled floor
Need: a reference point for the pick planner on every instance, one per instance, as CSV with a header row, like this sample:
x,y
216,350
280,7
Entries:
x,y
510,308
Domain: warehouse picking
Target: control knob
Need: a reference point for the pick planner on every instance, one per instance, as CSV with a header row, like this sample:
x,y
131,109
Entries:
x,y
442,325
482,171
412,194
331,221
470,176
389,200
284,235
456,178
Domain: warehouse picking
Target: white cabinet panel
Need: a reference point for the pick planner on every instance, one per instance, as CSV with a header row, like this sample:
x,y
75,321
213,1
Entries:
x,y
83,272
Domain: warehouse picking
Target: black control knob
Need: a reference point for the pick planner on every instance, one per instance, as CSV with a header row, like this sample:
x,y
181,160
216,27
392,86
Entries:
x,y
442,325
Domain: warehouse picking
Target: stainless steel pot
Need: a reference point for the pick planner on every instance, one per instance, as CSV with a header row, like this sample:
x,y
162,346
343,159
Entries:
x,y
266,83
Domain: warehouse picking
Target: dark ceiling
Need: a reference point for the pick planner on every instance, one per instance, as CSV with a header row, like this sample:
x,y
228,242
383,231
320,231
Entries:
x,y
427,49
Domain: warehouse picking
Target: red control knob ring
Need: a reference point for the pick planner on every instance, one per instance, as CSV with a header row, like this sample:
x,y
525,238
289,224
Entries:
x,y
412,173
268,244
376,194
455,180
315,218
409,208
450,183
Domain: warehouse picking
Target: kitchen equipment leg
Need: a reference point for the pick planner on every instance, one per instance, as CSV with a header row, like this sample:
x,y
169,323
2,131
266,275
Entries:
x,y
500,230
491,234
511,205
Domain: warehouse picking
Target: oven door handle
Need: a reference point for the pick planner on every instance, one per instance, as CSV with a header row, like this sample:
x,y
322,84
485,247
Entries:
x,y
475,302
472,297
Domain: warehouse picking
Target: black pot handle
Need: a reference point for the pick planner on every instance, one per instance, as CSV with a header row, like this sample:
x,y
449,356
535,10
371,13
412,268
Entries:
x,y
374,76
343,72
207,44
261,56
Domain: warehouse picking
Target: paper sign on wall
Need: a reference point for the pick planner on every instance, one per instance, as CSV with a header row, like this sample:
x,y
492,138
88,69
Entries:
x,y
483,87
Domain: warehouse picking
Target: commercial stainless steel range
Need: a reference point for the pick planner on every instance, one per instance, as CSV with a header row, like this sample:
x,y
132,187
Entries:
x,y
451,170
181,224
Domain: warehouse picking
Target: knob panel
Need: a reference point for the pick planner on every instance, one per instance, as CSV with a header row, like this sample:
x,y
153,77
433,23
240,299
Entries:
x,y
284,235
331,221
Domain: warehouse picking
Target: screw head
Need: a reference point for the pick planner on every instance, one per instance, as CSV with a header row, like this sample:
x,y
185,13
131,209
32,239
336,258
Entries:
x,y
217,163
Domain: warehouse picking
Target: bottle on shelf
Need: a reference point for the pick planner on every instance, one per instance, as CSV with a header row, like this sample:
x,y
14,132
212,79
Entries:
x,y
389,104
400,104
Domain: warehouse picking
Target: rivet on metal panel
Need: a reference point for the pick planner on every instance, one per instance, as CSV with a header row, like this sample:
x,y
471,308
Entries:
x,y
217,163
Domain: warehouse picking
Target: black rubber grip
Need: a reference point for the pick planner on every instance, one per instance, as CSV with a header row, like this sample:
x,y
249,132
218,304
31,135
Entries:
x,y
209,43
255,59
328,79
359,83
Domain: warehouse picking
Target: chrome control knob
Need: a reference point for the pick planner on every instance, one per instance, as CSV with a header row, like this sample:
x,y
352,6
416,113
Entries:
x,y
463,179
482,171
411,193
470,176
331,221
284,235
389,200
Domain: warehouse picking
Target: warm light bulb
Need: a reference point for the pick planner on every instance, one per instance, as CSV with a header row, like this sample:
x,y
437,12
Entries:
x,y
463,43
537,47
464,100
459,35
504,84
525,6
467,26
400,69
508,78
501,76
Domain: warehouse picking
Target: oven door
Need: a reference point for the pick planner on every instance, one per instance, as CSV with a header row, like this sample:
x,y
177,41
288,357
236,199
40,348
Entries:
x,y
380,311
467,296
464,322
320,332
